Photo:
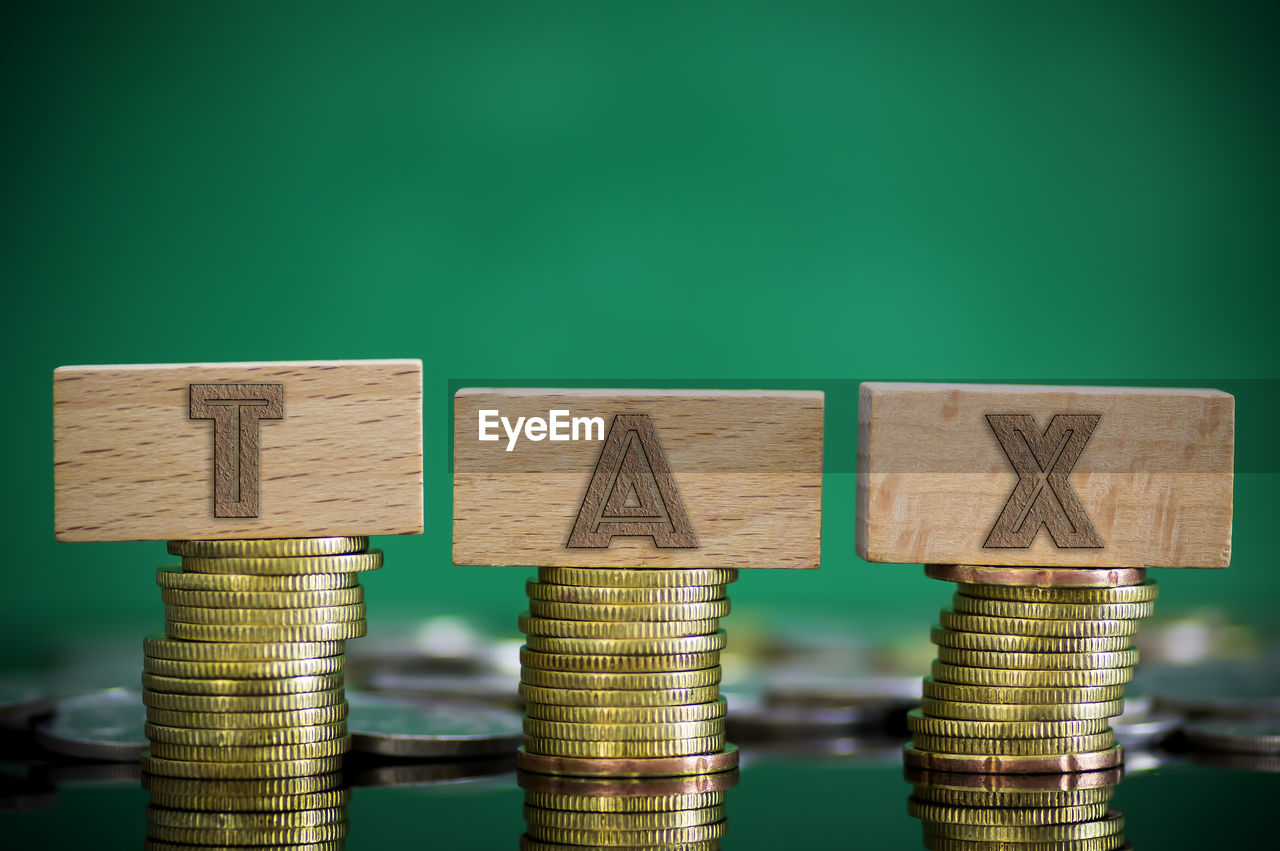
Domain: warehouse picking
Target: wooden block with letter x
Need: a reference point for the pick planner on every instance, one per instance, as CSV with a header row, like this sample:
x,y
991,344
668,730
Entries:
x,y
1045,476
237,450
637,478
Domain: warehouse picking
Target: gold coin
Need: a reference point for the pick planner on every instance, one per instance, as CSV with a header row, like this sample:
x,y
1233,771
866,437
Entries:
x,y
608,664
528,843
612,715
257,703
267,753
244,670
1006,694
172,577
281,685
1102,843
1110,825
244,821
593,697
219,720
628,646
541,729
350,563
1027,643
160,647
250,836
157,845
614,629
262,599
1051,611
1021,712
1144,593
1038,661
1030,678
655,838
996,798
621,821
1014,747
930,811
623,804
283,617
623,750
1057,577
918,722
595,594
1030,626
629,612
240,770
246,738
269,547
261,803
283,787
628,682
614,577
265,633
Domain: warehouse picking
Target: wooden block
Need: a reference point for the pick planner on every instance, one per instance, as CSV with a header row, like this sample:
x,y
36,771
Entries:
x,y
1048,476
638,478
237,450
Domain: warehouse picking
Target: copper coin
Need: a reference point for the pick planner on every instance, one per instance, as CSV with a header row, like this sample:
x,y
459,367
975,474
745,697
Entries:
x,y
1048,577
1014,764
919,776
657,787
672,766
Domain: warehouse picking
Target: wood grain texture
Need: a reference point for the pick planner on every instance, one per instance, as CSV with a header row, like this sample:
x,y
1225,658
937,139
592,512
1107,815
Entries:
x,y
747,467
1151,470
131,464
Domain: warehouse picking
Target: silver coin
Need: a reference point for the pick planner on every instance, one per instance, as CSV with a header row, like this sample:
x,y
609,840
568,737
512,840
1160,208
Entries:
x,y
433,773
1259,736
403,726
23,697
1137,730
1214,688
106,725
753,723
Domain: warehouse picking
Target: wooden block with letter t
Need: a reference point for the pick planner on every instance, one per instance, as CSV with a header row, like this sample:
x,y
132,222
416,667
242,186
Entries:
x,y
1045,476
637,478
237,450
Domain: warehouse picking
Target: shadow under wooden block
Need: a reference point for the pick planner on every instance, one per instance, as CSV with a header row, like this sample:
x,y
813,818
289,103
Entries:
x,y
1046,476
237,450
637,478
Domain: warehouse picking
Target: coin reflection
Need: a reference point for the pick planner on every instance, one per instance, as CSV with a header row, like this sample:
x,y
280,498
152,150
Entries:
x,y
282,813
569,812
969,812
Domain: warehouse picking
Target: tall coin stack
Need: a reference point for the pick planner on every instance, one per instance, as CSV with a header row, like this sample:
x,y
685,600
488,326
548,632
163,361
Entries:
x,y
1031,665
668,812
623,666
244,693
1066,812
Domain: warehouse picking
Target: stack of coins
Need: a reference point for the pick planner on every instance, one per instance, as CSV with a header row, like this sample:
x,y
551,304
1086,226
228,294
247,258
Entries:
x,y
247,684
288,811
621,671
1031,665
671,812
1066,812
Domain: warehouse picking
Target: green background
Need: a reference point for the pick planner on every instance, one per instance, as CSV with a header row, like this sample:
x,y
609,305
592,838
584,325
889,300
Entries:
x,y
750,192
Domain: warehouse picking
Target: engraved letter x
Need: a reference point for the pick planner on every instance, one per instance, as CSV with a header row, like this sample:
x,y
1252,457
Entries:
x,y
1043,496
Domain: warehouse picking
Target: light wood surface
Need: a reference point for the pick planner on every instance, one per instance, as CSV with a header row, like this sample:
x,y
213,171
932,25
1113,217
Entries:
x,y
131,463
1152,475
746,467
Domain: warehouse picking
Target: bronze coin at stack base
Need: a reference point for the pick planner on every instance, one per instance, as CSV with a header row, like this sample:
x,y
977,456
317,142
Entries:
x,y
1049,577
609,595
1013,790
619,577
292,565
675,766
991,764
210,686
269,547
171,577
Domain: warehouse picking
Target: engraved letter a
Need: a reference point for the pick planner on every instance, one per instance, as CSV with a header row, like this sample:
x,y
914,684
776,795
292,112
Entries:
x,y
632,491
1043,496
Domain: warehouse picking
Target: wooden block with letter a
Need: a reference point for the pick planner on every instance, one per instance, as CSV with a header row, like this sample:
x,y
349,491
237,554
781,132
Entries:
x,y
1045,476
237,450
637,478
